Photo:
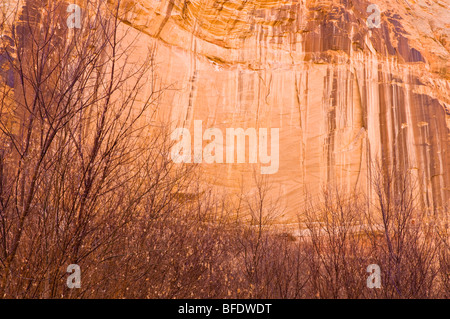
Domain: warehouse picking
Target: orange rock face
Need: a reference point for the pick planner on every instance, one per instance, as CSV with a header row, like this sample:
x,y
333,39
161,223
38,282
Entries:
x,y
342,93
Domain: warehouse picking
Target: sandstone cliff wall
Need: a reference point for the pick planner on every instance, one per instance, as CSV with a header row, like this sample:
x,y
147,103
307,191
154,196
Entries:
x,y
342,94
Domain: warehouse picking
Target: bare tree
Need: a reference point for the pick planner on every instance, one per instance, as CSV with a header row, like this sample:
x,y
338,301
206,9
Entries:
x,y
83,152
408,249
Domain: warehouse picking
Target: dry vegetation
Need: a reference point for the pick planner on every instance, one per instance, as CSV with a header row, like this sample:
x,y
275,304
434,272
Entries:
x,y
85,178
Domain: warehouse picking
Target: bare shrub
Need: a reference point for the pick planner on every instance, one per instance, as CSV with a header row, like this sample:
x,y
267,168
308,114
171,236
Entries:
x,y
408,249
337,254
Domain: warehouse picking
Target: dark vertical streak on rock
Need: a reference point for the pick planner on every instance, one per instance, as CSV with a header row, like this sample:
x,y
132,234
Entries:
x,y
166,18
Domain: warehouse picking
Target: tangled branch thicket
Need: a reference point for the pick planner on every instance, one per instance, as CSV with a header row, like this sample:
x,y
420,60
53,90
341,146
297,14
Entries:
x,y
85,178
